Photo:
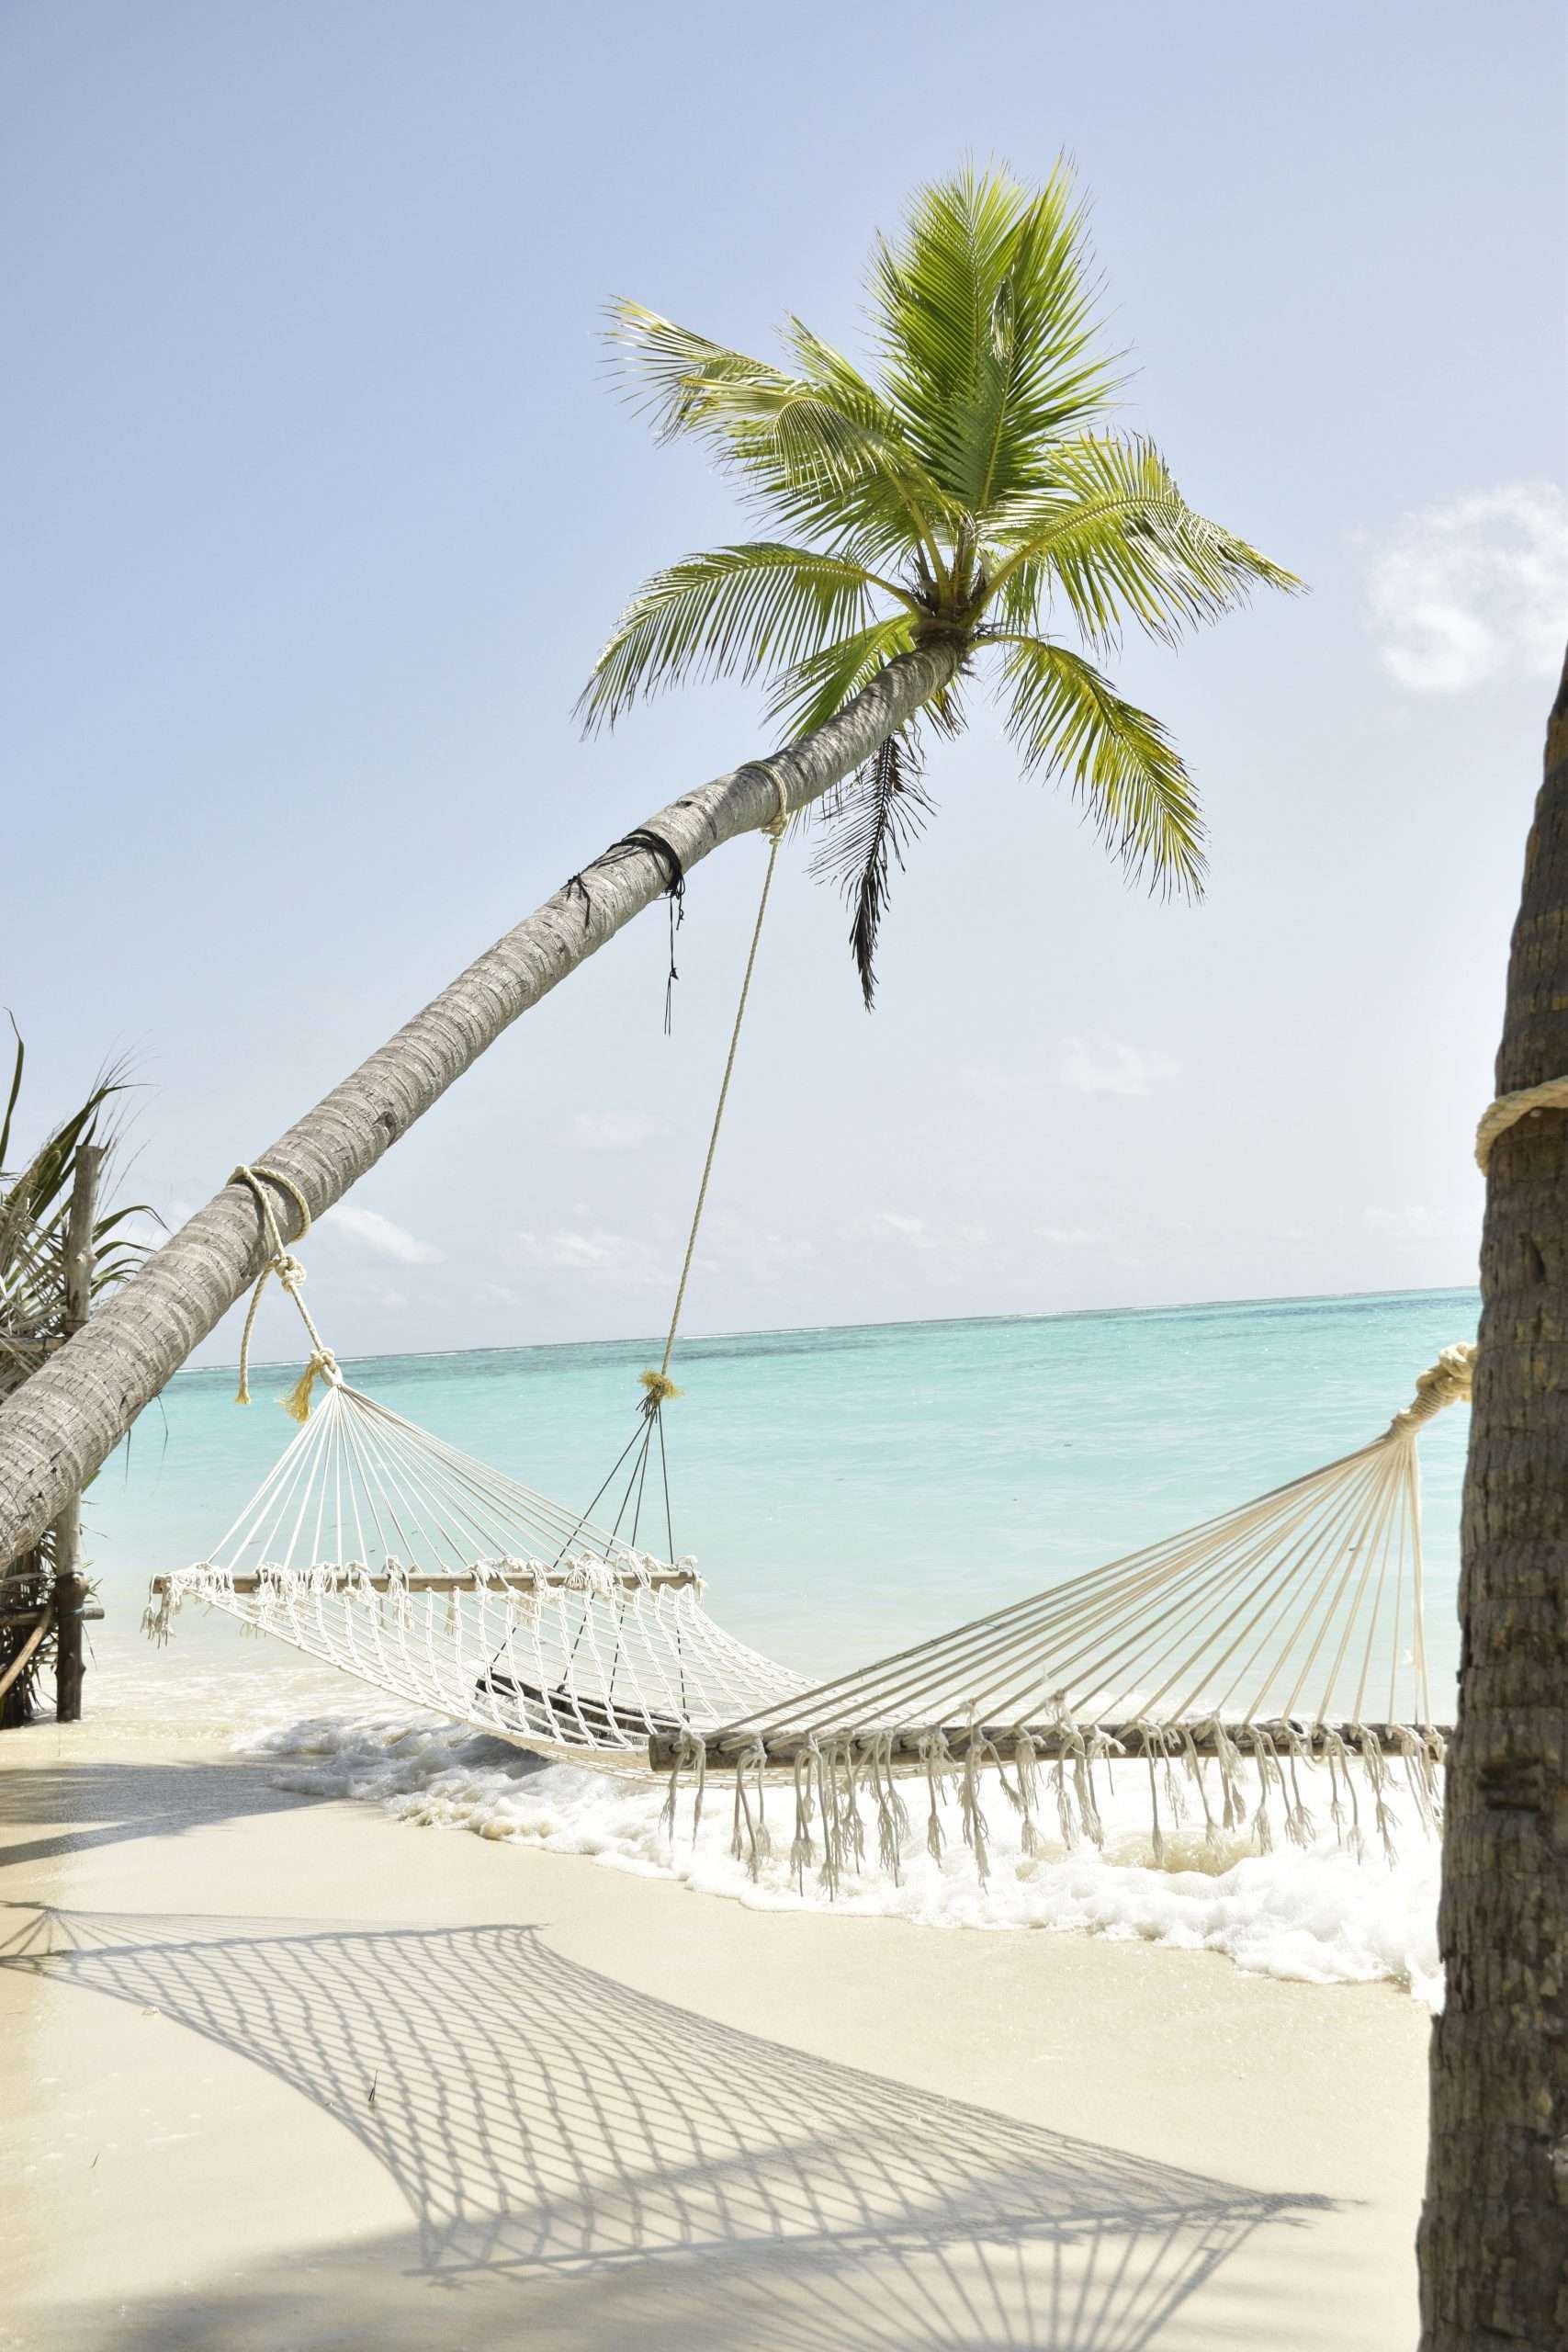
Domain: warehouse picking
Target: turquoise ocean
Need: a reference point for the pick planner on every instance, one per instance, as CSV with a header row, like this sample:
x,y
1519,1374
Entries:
x,y
845,1492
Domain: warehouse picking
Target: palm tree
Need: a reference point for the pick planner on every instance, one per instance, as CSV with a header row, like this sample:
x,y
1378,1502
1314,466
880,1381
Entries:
x,y
1494,2246
964,495
938,517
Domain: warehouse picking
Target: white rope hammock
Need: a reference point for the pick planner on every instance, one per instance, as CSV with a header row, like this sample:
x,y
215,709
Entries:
x,y
1283,1634
385,1552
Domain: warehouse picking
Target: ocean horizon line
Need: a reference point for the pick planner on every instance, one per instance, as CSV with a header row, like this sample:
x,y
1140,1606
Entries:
x,y
654,1339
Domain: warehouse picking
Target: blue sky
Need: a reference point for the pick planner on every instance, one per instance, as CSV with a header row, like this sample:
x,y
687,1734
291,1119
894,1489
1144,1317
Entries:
x,y
319,502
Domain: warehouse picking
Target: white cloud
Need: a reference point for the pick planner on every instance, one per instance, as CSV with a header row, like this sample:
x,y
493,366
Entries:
x,y
387,1240
1413,1222
607,1257
1473,588
888,1225
990,1084
1070,1237
1102,1065
763,1254
610,1131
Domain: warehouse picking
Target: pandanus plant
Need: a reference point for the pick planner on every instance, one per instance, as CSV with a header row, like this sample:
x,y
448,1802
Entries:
x,y
35,1199
34,1205
966,494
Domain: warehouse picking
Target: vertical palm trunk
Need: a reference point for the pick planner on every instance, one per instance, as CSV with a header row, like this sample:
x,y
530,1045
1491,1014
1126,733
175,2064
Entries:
x,y
1494,2238
70,1589
58,1428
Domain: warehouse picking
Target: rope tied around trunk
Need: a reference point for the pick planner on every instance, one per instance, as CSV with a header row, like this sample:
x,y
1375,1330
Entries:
x,y
281,1262
1510,1109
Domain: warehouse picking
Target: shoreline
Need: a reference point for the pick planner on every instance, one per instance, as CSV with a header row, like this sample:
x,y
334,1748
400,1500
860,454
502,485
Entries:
x,y
278,2071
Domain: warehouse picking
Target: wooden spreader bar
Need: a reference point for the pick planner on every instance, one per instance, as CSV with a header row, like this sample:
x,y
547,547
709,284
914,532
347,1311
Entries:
x,y
663,1580
723,1748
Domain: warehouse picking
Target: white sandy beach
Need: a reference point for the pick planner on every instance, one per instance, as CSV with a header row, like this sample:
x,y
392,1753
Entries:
x,y
282,2072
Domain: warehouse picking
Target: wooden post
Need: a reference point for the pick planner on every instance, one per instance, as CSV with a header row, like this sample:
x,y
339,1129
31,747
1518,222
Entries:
x,y
70,1591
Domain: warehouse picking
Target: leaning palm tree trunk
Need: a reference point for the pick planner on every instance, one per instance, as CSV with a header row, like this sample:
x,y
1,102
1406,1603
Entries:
x,y
1493,2241
57,1429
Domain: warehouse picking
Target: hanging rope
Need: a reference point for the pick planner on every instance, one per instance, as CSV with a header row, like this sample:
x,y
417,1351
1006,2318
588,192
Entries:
x,y
290,1273
658,1384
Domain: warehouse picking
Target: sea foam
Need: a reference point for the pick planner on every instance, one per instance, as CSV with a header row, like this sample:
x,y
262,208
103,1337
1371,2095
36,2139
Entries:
x,y
1315,1916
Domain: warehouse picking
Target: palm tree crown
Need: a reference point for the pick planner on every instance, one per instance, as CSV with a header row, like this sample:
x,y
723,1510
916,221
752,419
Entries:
x,y
966,493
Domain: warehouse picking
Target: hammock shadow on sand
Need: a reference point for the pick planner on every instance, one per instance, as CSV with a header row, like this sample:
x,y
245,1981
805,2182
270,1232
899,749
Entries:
x,y
549,2123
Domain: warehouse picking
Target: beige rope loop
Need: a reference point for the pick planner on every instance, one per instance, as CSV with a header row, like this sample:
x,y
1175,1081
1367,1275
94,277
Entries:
x,y
290,1273
254,1178
1508,1108
776,825
1447,1381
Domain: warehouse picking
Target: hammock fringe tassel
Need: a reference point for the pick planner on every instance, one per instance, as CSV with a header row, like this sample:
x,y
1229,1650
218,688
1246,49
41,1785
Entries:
x,y
1194,1774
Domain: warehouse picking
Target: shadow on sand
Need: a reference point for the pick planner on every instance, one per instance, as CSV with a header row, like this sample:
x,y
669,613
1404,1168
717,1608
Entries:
x,y
631,2173
106,1803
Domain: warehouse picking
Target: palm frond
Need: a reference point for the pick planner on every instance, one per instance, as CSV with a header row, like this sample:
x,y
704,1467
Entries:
x,y
985,316
18,1062
1115,536
34,1205
728,613
820,453
1065,718
871,821
808,693
676,375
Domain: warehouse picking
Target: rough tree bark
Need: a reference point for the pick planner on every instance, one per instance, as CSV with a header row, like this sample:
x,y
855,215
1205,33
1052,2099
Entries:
x,y
1494,2237
58,1428
70,1587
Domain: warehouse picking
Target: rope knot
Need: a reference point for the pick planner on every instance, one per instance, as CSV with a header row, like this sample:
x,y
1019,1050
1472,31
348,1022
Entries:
x,y
1447,1381
322,1364
659,1388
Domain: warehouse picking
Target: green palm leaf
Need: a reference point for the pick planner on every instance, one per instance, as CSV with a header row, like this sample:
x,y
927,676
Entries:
x,y
965,490
819,452
986,326
806,695
730,613
1070,721
1113,535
